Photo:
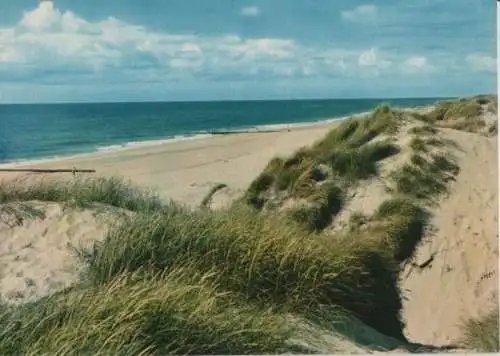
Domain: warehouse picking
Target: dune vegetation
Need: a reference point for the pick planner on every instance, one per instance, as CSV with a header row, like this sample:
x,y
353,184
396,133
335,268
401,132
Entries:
x,y
466,114
481,334
170,280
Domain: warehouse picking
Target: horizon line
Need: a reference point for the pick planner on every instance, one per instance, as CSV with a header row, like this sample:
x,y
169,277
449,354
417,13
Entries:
x,y
237,100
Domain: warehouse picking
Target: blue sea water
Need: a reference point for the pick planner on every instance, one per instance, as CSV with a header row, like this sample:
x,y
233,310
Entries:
x,y
39,131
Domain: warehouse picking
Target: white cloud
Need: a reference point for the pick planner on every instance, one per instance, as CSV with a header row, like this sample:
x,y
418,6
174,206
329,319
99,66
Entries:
x,y
47,39
48,42
360,13
481,62
42,18
371,58
417,64
250,11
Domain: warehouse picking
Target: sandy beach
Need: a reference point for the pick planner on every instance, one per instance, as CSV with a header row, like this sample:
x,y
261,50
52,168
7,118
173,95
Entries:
x,y
186,170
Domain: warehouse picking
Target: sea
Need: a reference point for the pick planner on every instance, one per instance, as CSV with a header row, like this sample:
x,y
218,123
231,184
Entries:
x,y
31,132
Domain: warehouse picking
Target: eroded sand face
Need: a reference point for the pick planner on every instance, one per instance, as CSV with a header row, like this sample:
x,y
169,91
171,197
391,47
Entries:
x,y
460,280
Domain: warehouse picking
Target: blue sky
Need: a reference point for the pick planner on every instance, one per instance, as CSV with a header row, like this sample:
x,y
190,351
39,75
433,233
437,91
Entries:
x,y
89,50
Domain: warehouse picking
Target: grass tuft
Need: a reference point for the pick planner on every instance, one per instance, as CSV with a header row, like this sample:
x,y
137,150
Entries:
x,y
423,130
344,156
254,193
418,144
82,192
401,226
205,203
453,110
474,124
359,164
261,258
465,114
425,179
325,204
481,334
170,313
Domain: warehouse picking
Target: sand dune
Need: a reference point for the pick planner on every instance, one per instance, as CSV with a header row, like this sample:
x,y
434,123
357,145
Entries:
x,y
453,276
38,255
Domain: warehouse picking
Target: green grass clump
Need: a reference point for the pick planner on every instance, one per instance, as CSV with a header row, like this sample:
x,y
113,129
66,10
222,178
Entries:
x,y
354,165
261,258
345,152
422,145
481,334
324,205
356,222
386,119
423,130
208,198
418,160
425,179
356,132
444,164
435,142
464,114
418,144
453,110
416,182
82,192
250,251
425,118
304,186
287,179
401,226
490,101
474,124
134,314
339,136
254,193
485,99
493,106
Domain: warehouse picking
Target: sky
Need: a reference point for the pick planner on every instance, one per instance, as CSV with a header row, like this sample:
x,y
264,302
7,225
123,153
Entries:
x,y
182,50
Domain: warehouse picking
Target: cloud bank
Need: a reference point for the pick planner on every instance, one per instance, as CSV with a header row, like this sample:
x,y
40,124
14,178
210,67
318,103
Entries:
x,y
47,43
481,62
48,47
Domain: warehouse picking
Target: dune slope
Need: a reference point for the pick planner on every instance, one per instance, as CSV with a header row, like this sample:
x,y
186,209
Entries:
x,y
460,277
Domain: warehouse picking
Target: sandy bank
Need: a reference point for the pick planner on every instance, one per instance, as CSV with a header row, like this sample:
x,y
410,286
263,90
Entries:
x,y
459,279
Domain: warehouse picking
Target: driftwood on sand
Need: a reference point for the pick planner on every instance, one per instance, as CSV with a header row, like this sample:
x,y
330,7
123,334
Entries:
x,y
35,170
